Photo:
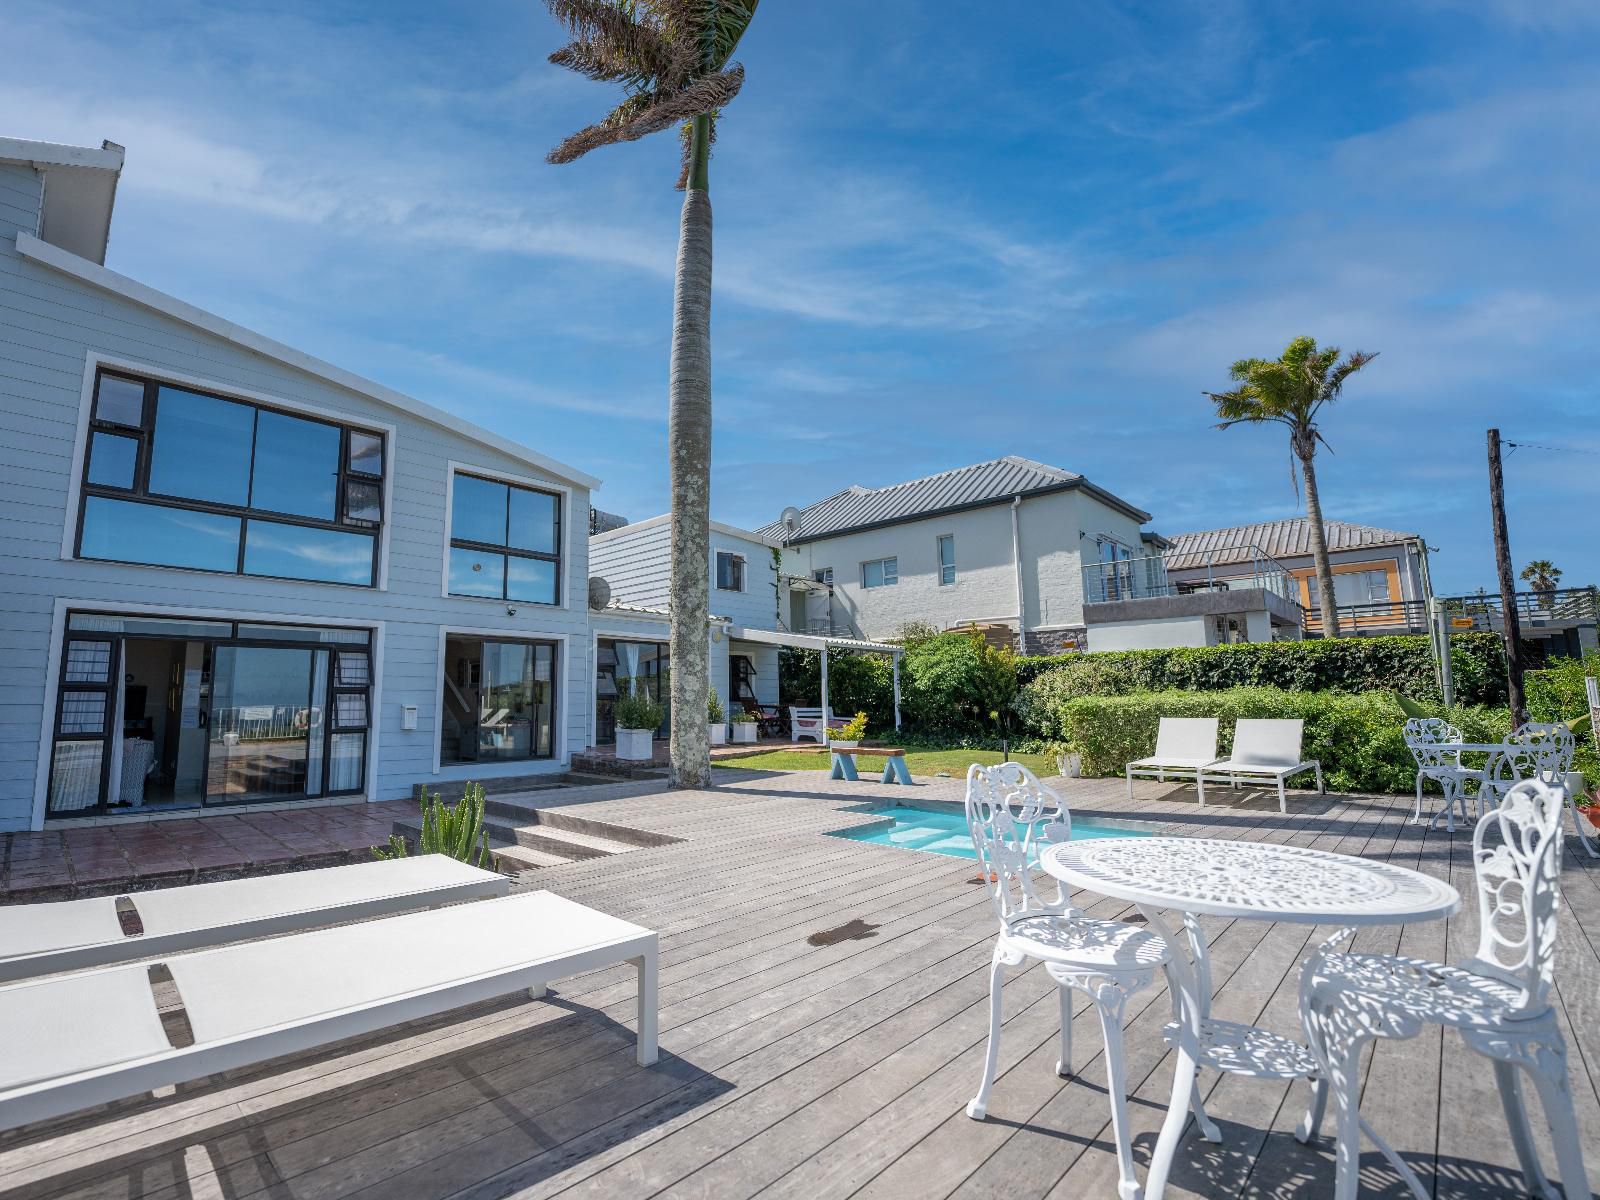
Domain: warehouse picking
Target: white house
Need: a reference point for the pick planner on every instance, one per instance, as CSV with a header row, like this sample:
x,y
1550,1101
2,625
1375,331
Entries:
x,y
237,574
1010,542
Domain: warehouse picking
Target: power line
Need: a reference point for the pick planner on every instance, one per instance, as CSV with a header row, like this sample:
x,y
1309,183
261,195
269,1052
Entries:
x,y
1539,446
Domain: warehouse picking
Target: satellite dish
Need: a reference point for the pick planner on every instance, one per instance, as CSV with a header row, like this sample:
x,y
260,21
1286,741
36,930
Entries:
x,y
599,592
790,518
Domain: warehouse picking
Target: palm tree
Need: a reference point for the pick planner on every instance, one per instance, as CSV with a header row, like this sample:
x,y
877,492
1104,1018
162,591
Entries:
x,y
672,59
1291,390
1545,577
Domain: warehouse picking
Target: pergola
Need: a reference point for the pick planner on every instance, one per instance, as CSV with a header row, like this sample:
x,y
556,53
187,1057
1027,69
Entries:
x,y
824,643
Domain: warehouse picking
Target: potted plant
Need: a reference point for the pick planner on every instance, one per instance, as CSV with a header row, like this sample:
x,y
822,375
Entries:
x,y
714,714
848,736
638,717
1589,805
745,728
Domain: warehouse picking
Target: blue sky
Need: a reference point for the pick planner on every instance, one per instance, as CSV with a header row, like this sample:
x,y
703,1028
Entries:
x,y
945,232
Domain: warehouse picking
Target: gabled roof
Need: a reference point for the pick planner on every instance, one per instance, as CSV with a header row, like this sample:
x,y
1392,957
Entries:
x,y
651,522
992,482
1278,539
79,268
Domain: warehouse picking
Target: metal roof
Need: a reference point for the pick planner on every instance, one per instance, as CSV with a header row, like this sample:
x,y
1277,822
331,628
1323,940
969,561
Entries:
x,y
1277,539
964,487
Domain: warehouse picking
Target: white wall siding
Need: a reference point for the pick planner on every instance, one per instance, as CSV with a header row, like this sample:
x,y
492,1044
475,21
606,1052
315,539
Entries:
x,y
50,326
21,197
636,561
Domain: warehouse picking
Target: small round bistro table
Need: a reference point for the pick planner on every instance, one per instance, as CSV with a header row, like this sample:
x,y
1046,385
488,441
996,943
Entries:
x,y
1254,880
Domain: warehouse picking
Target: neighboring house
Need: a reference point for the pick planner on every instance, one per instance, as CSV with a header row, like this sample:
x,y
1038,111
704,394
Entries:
x,y
1002,544
238,574
631,634
1380,576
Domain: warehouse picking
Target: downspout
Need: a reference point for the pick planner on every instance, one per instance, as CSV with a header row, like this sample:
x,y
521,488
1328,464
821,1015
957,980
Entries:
x,y
1016,562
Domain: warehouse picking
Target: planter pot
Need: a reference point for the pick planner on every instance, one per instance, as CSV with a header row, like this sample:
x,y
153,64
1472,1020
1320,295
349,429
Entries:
x,y
744,733
1594,816
636,745
838,744
1069,765
719,734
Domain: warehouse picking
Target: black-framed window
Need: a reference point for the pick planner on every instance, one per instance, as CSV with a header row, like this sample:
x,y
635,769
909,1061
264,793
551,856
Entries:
x,y
505,541
176,477
730,571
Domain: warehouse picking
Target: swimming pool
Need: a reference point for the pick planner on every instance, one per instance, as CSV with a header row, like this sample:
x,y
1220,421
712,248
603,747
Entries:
x,y
946,832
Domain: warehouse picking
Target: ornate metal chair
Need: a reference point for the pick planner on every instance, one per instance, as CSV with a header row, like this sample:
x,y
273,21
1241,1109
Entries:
x,y
1499,999
1537,751
1011,817
1424,737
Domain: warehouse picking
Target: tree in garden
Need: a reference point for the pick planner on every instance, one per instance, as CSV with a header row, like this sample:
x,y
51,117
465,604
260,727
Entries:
x,y
1544,577
672,58
1292,390
994,686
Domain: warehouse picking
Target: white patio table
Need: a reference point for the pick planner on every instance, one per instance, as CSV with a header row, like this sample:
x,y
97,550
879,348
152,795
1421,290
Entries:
x,y
1261,881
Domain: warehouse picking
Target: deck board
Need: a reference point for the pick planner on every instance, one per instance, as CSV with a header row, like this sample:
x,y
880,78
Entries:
x,y
839,1070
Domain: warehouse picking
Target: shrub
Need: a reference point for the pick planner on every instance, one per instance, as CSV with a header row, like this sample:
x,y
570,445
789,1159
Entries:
x,y
1357,738
852,730
637,709
453,829
1557,694
1402,663
714,712
856,683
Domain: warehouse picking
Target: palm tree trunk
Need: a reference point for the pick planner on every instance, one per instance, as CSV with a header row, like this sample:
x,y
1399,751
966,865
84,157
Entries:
x,y
1319,544
689,451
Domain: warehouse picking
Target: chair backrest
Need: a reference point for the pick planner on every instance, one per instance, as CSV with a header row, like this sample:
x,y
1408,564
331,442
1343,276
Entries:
x,y
1518,874
1011,817
808,714
1187,737
1269,742
1424,734
1542,752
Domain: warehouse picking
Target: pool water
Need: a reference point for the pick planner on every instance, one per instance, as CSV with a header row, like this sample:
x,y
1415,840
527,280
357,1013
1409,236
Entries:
x,y
946,832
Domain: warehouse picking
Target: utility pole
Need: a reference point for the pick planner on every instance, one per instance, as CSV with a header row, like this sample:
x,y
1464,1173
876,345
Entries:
x,y
1510,627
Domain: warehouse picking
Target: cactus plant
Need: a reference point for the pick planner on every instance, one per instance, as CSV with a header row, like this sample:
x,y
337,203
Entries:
x,y
453,829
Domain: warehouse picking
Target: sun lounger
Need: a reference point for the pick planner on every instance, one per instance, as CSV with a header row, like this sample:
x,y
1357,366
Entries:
x,y
1183,746
1264,751
94,1037
67,935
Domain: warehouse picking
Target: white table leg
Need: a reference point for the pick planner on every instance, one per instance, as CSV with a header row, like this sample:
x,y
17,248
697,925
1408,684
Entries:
x,y
1192,1003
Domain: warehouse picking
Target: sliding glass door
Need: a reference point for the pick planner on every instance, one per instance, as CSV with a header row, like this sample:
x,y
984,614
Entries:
x,y
499,701
261,711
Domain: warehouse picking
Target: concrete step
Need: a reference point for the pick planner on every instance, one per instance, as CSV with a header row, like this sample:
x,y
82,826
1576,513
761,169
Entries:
x,y
523,858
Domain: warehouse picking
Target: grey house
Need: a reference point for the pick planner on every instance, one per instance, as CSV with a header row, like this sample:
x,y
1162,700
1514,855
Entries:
x,y
236,574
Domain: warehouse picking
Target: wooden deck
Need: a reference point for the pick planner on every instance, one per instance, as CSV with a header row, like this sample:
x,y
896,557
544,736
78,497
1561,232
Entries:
x,y
794,1069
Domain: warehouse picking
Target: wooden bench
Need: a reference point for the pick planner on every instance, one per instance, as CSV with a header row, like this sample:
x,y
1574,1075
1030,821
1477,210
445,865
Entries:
x,y
844,762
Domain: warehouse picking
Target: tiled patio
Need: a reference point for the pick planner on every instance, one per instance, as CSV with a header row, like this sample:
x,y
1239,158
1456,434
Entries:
x,y
807,1067
129,854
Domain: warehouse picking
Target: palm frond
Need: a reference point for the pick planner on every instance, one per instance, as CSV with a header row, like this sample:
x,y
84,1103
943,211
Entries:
x,y
729,20
603,64
1357,360
602,133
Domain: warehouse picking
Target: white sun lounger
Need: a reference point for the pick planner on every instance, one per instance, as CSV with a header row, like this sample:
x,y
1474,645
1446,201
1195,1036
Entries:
x,y
68,935
1183,746
79,1040
1265,751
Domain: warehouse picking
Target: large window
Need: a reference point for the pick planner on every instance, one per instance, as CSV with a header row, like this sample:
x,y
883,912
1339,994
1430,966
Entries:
x,y
505,541
947,559
1353,588
499,701
179,478
624,668
880,572
730,571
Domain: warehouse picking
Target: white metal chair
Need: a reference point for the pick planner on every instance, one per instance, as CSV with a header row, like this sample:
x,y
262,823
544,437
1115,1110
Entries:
x,y
1265,750
1537,751
1424,736
1499,999
1183,746
1011,816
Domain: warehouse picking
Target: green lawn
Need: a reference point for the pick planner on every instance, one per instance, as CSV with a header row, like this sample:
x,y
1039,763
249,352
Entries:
x,y
918,762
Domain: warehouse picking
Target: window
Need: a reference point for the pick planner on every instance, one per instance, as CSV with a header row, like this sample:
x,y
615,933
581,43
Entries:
x,y
504,541
180,478
823,575
1353,587
880,572
499,701
947,559
730,571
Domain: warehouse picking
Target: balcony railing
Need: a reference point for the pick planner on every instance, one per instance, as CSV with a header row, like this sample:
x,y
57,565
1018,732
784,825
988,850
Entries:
x,y
1139,578
1376,617
1560,606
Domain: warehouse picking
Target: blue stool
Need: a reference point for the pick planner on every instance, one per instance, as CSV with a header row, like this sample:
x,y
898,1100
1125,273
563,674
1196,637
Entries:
x,y
894,767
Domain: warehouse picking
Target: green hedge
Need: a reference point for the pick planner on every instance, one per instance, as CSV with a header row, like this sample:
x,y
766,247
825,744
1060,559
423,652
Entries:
x,y
1403,663
1357,738
1557,694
